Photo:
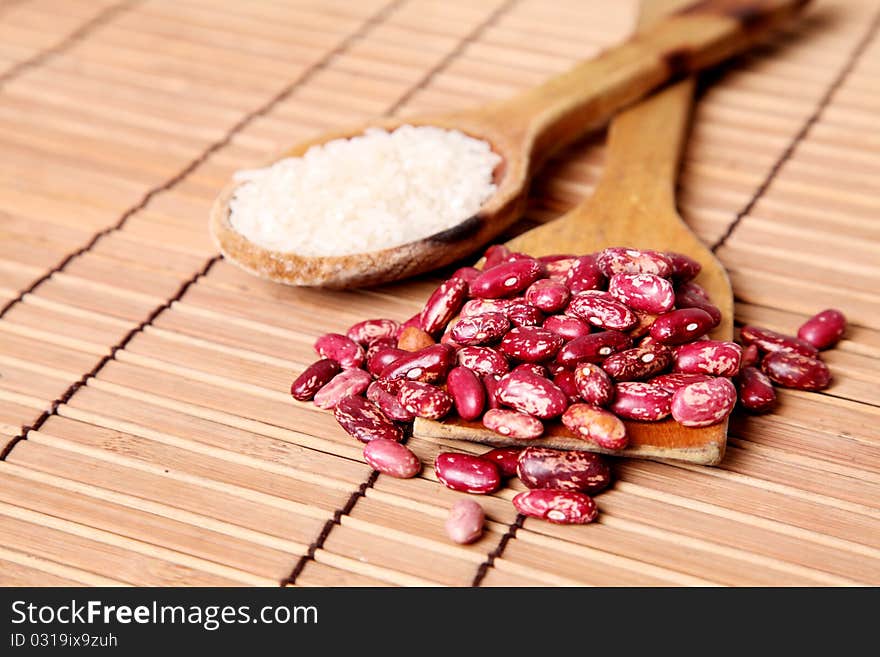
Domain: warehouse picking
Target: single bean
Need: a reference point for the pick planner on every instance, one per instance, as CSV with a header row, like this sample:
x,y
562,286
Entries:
x,y
563,507
506,279
596,425
769,341
442,305
347,383
531,344
424,400
315,377
638,363
823,330
603,312
646,292
388,402
483,360
475,307
707,357
512,424
565,381
392,458
467,473
340,348
429,365
413,338
521,313
539,467
362,419
584,274
704,403
635,400
533,395
683,325
751,356
673,382
623,260
756,392
465,522
548,295
480,329
367,332
593,348
567,326
796,371
382,358
467,392
593,384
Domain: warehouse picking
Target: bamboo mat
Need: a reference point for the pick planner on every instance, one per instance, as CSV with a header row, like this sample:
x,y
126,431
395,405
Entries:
x,y
149,438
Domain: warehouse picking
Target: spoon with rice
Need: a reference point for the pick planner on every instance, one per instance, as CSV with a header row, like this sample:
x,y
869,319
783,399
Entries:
x,y
395,198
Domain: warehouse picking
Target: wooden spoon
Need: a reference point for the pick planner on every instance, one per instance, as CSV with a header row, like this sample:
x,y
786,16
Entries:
x,y
524,131
633,205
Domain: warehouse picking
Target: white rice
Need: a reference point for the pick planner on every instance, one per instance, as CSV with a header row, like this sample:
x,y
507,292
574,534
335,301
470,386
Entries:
x,y
370,192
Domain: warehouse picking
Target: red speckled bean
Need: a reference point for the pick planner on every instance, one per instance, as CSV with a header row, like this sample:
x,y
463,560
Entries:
x,y
495,255
315,377
424,400
796,371
567,326
429,365
823,330
490,383
539,467
531,344
367,332
751,356
512,424
687,297
506,279
683,325
467,274
362,419
564,380
704,403
557,270
483,360
521,313
530,394
562,507
465,522
684,268
584,274
597,425
346,383
392,458
756,392
707,357
673,382
635,400
602,312
379,361
638,363
645,292
467,473
474,307
505,459
480,329
388,402
467,392
548,295
769,341
622,260
443,305
593,384
344,351
593,348
534,368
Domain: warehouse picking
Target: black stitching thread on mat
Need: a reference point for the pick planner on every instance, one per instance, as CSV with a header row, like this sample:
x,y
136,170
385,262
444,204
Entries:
x,y
101,18
172,182
483,570
238,127
787,154
469,38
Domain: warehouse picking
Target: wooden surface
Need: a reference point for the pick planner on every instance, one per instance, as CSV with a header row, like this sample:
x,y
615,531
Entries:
x,y
149,376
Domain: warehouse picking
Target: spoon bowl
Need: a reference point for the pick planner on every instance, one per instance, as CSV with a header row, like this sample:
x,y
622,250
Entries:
x,y
524,131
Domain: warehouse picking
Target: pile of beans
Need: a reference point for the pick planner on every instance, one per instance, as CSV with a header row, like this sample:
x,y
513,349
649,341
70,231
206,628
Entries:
x,y
589,340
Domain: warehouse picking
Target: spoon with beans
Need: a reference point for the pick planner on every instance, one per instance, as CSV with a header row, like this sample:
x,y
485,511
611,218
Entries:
x,y
524,131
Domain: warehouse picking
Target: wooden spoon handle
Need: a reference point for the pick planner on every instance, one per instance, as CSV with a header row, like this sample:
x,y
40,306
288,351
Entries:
x,y
701,35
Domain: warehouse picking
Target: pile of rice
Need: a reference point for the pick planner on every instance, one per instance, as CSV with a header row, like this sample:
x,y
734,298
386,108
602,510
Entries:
x,y
374,191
